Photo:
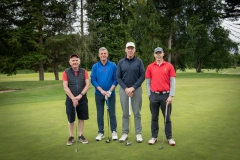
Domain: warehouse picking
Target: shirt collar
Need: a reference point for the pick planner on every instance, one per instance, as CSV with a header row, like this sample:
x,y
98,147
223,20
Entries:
x,y
155,63
129,59
102,63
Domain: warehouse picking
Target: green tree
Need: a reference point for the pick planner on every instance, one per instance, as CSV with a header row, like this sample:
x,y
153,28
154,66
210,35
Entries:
x,y
198,45
223,48
108,26
146,30
238,59
32,22
10,48
201,41
57,48
155,25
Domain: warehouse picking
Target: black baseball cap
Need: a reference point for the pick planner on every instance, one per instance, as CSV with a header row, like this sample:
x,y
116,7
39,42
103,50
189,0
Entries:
x,y
74,55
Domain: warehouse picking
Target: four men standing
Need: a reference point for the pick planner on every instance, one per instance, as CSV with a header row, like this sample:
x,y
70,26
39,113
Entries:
x,y
129,74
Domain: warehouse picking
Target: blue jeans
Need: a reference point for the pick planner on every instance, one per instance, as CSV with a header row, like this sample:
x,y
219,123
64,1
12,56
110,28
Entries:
x,y
100,102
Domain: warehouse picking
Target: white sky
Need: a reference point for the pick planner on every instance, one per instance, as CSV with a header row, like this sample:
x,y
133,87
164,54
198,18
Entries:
x,y
234,28
77,24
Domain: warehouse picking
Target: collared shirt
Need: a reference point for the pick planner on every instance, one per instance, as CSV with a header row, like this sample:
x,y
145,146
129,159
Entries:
x,y
160,76
130,72
104,76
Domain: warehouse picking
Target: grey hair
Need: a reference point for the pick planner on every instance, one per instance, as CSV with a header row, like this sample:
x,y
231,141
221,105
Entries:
x,y
102,48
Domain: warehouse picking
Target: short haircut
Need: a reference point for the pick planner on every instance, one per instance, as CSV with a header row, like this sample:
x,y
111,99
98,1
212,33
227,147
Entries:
x,y
102,48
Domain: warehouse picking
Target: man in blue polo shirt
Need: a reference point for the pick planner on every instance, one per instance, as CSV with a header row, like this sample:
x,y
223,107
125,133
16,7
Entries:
x,y
130,76
103,78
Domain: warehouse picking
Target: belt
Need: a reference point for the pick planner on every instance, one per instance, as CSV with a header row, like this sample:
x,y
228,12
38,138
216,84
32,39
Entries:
x,y
164,92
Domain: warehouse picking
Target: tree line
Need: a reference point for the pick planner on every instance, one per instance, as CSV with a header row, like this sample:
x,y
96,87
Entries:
x,y
39,35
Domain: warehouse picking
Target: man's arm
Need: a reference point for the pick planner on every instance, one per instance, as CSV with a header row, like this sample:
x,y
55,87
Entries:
x,y
67,90
94,76
115,83
69,93
119,76
85,89
148,84
172,86
87,82
142,76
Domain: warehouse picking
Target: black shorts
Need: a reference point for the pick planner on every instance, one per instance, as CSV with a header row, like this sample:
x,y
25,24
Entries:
x,y
82,109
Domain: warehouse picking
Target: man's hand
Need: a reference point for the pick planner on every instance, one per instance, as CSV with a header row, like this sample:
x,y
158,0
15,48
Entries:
x,y
129,91
109,93
75,102
169,100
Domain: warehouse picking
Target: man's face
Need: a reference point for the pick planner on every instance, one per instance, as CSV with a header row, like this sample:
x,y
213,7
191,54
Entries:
x,y
159,55
74,62
103,55
130,52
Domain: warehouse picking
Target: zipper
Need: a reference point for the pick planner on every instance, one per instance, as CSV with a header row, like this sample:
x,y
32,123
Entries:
x,y
77,83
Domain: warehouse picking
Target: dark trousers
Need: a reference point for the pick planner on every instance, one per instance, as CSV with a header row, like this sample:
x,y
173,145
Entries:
x,y
100,102
158,101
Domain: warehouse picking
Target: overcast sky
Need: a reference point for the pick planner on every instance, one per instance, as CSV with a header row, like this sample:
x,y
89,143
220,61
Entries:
x,y
234,28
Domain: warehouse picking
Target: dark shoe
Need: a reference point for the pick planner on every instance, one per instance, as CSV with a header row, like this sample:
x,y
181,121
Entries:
x,y
70,141
82,139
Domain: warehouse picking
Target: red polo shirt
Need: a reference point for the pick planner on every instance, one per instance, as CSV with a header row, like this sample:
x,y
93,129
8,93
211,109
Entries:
x,y
160,76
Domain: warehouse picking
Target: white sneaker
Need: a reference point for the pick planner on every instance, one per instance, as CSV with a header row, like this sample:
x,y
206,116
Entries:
x,y
139,138
123,138
171,142
152,141
99,137
114,135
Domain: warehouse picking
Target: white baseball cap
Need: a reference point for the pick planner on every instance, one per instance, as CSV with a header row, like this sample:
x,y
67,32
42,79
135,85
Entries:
x,y
130,44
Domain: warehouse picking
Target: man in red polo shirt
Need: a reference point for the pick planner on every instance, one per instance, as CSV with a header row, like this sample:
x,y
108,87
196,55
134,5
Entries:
x,y
160,79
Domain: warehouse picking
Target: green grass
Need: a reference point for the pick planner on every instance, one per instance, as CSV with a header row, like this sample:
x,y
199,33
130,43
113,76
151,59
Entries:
x,y
205,121
228,71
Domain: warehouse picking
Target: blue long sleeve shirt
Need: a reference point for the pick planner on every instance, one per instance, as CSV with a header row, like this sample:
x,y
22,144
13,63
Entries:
x,y
130,72
104,76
